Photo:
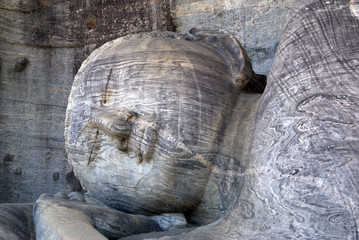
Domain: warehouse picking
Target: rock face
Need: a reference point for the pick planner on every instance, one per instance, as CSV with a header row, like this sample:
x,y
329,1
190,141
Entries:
x,y
16,221
302,177
153,126
257,24
295,175
42,45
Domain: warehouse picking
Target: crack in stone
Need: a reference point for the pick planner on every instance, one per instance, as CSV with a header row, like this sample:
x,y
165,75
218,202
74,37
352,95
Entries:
x,y
106,88
90,160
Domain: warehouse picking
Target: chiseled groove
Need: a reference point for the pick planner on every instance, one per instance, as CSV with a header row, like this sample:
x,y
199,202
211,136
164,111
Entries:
x,y
90,160
106,88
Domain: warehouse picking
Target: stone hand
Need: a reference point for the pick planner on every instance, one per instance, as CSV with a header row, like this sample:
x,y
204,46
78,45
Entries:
x,y
59,218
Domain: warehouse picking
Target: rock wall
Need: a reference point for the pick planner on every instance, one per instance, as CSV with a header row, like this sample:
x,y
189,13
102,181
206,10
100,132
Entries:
x,y
43,43
301,180
257,24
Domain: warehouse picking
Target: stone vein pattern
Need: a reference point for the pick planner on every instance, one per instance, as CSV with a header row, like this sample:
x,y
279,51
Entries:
x,y
16,221
37,23
257,24
146,118
301,181
42,45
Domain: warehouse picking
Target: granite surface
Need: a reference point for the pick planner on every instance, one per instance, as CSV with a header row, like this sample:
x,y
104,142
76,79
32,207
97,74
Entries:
x,y
42,45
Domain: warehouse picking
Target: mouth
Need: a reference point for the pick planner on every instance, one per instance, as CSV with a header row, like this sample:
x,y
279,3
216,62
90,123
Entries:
x,y
148,143
144,139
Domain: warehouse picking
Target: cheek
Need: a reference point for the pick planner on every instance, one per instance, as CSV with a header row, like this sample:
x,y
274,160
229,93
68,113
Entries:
x,y
100,165
196,129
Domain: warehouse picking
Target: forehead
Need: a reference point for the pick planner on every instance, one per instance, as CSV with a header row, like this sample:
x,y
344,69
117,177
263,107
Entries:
x,y
156,71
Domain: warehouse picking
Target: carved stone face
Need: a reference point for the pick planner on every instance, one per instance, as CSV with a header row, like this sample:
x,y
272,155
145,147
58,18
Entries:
x,y
144,119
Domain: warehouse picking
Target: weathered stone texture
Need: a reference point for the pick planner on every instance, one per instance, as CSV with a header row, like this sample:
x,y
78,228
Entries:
x,y
78,23
42,45
257,24
142,112
155,124
16,221
32,112
291,172
302,177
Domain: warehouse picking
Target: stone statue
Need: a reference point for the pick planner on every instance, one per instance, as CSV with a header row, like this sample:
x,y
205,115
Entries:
x,y
146,121
149,112
169,134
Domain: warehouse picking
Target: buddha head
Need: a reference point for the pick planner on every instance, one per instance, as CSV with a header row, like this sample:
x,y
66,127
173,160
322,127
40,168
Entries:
x,y
146,115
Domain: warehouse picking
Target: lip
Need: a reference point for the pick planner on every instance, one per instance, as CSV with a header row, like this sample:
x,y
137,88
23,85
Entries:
x,y
145,134
149,141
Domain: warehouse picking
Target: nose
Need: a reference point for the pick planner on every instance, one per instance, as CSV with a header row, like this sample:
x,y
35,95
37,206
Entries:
x,y
128,130
117,124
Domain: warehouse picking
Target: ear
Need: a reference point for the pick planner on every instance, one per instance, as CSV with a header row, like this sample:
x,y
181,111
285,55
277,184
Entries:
x,y
236,57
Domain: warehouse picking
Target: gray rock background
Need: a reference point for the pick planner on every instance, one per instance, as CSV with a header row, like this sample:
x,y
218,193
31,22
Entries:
x,y
43,43
257,24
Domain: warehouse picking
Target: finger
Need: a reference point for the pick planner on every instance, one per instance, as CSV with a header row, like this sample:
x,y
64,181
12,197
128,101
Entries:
x,y
76,196
62,195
